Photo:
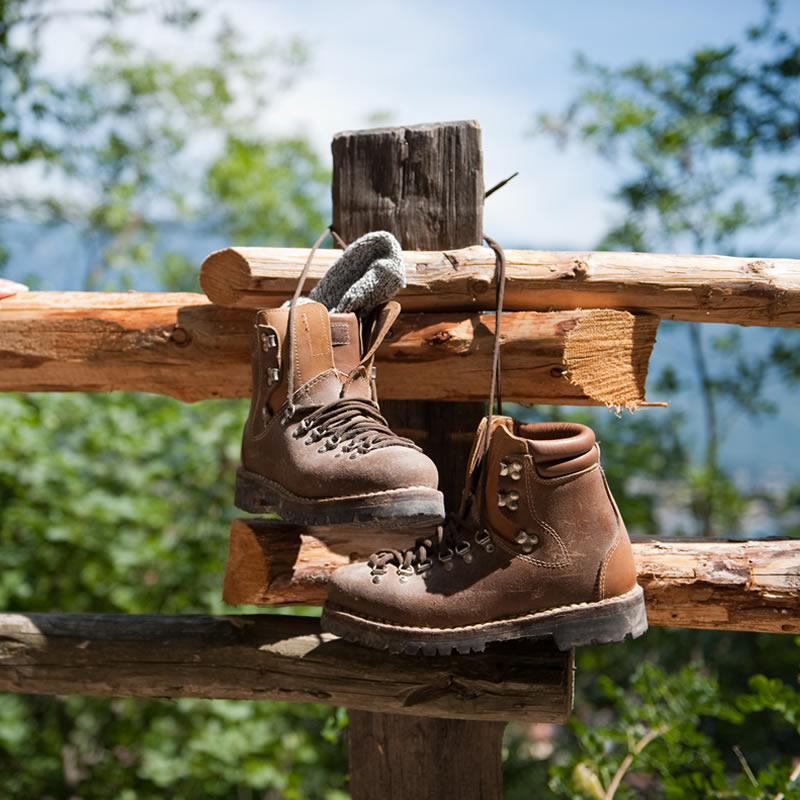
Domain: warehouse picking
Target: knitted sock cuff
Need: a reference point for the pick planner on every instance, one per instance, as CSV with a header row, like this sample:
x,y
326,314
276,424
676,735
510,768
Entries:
x,y
368,273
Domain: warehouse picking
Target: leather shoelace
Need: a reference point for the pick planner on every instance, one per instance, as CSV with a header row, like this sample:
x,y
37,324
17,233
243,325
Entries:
x,y
451,538
355,424
448,541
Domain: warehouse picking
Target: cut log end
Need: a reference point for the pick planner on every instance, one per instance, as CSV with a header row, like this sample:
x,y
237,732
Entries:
x,y
607,354
225,275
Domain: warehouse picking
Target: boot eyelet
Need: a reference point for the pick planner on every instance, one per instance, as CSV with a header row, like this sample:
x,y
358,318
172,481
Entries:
x,y
463,549
377,572
424,566
511,469
484,539
509,500
404,573
446,559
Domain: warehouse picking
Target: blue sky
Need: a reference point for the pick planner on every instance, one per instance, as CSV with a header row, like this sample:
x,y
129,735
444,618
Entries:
x,y
499,63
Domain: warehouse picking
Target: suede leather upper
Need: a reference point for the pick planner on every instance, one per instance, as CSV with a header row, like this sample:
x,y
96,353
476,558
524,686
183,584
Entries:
x,y
326,349
541,479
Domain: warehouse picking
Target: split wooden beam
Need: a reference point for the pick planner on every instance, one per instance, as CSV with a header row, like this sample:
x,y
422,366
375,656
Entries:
x,y
181,345
743,291
269,657
689,583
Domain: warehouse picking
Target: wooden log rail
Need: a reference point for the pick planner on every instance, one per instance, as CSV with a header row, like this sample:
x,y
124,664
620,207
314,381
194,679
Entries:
x,y
689,583
181,345
744,291
268,657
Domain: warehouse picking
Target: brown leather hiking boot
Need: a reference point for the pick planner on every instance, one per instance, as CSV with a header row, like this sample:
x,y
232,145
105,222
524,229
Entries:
x,y
538,550
316,449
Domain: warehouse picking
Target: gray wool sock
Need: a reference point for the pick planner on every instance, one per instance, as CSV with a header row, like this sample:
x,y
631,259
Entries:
x,y
369,272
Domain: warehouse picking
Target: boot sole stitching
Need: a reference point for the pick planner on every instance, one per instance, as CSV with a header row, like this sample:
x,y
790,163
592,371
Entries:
x,y
478,626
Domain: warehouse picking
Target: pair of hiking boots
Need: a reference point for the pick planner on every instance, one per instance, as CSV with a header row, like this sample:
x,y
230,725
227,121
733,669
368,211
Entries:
x,y
537,549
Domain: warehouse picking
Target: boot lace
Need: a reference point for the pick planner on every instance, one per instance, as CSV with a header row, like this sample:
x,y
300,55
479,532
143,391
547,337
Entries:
x,y
354,423
450,540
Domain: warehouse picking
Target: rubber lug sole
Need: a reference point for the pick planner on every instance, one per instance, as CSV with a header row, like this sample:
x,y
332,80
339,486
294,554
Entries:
x,y
601,622
395,508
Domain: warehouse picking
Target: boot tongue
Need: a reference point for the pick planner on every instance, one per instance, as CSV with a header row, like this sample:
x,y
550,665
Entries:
x,y
346,340
313,355
375,327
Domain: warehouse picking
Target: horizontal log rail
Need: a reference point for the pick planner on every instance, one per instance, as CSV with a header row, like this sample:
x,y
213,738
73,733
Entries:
x,y
721,585
268,657
181,345
745,291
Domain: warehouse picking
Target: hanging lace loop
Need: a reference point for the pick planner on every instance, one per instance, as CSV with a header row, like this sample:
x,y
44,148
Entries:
x,y
451,539
495,387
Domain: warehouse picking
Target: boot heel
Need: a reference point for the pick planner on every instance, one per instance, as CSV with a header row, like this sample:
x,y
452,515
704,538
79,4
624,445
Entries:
x,y
611,623
251,495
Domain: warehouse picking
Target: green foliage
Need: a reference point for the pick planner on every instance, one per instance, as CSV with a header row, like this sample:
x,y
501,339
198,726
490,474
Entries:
x,y
122,503
691,137
657,723
659,740
706,150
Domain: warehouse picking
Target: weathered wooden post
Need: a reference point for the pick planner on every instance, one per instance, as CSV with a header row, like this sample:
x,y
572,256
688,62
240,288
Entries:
x,y
425,185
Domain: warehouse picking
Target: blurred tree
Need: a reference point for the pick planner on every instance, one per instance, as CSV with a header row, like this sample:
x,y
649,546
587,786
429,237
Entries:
x,y
122,502
707,149
139,135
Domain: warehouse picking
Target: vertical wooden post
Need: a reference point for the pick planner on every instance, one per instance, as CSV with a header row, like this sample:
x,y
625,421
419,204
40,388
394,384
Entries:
x,y
425,185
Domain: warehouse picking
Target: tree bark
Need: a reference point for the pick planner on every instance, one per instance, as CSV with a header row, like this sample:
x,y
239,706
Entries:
x,y
183,346
744,291
268,657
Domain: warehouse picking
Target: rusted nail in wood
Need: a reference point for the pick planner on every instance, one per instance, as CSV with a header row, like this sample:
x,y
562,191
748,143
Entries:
x,y
180,336
500,185
442,337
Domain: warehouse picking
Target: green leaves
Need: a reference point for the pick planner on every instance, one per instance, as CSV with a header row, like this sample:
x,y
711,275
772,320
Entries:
x,y
139,137
122,503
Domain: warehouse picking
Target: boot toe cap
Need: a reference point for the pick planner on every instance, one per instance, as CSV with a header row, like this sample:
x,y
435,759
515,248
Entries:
x,y
399,467
352,588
